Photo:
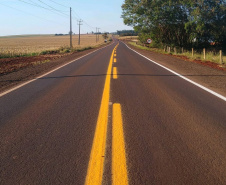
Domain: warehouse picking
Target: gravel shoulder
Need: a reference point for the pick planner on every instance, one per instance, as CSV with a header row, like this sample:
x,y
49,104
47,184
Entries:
x,y
15,71
212,78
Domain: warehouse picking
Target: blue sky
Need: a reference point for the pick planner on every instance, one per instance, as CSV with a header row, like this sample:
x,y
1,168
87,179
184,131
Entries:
x,y
19,17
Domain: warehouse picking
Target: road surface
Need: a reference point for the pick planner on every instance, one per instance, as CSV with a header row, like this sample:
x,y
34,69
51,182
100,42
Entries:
x,y
112,117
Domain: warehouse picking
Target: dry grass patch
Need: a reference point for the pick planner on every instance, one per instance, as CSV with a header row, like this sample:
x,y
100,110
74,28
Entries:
x,y
34,45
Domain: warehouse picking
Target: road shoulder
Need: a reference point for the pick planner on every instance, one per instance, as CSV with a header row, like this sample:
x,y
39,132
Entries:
x,y
213,79
22,75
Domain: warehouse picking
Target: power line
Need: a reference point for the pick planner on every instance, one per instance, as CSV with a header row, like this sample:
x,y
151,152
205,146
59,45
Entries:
x,y
89,25
34,4
76,15
39,6
53,8
30,14
58,4
77,18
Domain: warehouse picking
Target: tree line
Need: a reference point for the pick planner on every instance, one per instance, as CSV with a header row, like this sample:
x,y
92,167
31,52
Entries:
x,y
183,23
126,33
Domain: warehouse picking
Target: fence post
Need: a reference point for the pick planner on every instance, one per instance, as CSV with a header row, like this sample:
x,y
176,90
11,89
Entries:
x,y
220,57
169,50
192,52
175,50
204,53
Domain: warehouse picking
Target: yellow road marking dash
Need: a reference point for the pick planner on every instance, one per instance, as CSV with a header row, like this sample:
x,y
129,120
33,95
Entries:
x,y
119,169
115,75
115,60
96,162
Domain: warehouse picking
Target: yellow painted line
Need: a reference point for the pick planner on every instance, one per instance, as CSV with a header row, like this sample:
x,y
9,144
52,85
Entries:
x,y
119,169
96,162
115,55
115,75
115,60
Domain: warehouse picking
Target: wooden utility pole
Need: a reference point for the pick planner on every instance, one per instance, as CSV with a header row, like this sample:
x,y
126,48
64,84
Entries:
x,y
70,30
79,23
98,33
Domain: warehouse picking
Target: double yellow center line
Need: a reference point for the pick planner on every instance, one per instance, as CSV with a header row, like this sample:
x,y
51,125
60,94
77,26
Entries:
x,y
96,163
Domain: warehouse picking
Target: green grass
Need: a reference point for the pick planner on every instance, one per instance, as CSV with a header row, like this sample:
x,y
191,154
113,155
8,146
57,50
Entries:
x,y
14,55
210,56
40,62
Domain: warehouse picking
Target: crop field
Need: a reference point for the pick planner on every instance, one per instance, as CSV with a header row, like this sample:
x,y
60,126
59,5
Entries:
x,y
132,38
22,45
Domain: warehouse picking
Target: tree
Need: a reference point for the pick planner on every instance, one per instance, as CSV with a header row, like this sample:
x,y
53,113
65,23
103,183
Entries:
x,y
207,22
179,22
105,36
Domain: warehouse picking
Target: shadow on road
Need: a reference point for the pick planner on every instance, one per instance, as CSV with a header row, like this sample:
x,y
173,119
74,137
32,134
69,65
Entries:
x,y
98,75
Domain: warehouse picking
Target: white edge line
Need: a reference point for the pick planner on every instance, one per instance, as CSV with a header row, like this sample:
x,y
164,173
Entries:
x,y
23,84
181,76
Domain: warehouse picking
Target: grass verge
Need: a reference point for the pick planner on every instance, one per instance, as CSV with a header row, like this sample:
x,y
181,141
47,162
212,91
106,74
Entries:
x,y
210,56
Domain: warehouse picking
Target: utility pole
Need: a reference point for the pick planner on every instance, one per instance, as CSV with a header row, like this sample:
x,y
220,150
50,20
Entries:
x,y
98,33
79,23
70,30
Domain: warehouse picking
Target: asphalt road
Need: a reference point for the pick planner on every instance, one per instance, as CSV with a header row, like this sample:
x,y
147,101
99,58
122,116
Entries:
x,y
112,117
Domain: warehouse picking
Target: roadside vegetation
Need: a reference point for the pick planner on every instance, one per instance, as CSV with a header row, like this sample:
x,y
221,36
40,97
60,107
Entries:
x,y
189,24
210,56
